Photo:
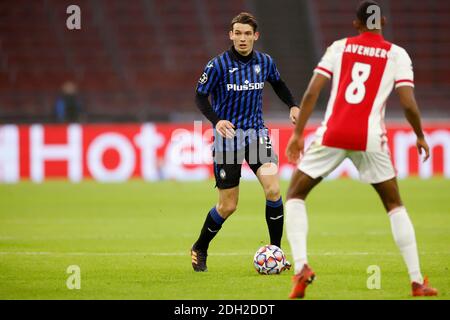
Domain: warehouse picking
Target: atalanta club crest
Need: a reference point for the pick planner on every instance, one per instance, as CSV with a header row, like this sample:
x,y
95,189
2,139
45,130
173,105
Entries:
x,y
257,69
223,174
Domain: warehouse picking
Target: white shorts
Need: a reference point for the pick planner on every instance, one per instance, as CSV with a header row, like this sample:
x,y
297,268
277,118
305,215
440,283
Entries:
x,y
373,167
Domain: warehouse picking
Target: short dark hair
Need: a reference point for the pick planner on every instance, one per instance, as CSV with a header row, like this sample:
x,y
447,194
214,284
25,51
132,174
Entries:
x,y
245,18
361,10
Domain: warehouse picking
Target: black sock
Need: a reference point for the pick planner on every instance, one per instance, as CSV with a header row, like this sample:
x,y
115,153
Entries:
x,y
211,226
274,219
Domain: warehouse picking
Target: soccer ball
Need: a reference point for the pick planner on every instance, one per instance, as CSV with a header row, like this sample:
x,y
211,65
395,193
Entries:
x,y
269,259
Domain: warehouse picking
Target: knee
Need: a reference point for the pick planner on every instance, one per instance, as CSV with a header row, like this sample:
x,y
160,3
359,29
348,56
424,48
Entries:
x,y
226,209
295,194
272,193
301,185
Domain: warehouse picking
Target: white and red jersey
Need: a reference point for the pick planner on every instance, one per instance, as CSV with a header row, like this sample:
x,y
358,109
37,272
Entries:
x,y
364,70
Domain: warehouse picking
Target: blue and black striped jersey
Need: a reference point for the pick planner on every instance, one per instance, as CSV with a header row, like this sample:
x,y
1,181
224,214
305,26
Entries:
x,y
236,88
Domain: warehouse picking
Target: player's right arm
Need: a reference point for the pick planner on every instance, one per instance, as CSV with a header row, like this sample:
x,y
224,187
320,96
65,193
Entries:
x,y
322,74
224,127
296,142
206,84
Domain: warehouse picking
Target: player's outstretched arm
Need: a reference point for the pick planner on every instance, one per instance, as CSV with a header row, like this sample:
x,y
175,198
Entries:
x,y
296,143
412,114
285,95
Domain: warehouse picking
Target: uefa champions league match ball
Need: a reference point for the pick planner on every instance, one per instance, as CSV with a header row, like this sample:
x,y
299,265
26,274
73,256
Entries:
x,y
269,259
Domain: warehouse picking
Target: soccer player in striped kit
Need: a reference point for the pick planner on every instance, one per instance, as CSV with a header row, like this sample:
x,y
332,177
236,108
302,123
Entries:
x,y
363,71
235,80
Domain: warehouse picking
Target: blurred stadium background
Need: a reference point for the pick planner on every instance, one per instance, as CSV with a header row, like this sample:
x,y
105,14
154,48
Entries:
x,y
140,60
133,67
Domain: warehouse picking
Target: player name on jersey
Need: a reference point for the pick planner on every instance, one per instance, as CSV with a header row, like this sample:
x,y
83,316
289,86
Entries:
x,y
366,51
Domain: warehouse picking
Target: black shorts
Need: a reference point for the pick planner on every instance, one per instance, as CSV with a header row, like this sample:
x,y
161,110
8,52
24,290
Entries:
x,y
228,164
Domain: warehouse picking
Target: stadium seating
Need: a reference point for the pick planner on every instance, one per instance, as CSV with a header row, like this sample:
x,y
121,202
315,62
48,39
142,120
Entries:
x,y
140,60
133,60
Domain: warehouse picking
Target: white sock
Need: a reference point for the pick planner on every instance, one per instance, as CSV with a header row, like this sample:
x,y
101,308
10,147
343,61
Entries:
x,y
297,231
405,238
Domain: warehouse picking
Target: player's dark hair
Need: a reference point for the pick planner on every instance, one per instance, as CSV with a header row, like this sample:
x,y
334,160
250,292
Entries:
x,y
245,18
361,10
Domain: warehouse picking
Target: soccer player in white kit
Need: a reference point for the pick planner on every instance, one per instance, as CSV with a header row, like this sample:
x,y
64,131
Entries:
x,y
363,70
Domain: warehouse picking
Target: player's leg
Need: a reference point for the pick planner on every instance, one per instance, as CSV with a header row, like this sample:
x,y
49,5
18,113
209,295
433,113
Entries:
x,y
373,168
227,181
301,185
401,225
270,181
264,163
226,205
296,216
404,235
297,230
317,162
389,194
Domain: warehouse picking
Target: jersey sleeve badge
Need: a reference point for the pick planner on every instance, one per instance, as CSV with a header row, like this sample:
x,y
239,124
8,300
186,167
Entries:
x,y
203,79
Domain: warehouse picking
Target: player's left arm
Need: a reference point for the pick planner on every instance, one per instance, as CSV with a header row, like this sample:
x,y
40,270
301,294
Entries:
x,y
282,91
309,100
285,95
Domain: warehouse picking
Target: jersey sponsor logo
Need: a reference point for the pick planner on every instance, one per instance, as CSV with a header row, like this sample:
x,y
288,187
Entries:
x,y
246,86
366,51
203,79
257,69
233,70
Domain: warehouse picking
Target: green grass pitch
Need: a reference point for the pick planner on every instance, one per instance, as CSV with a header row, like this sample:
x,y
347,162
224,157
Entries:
x,y
132,241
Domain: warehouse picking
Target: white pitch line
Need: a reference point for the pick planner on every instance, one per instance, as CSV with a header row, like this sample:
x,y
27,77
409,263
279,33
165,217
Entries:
x,y
175,254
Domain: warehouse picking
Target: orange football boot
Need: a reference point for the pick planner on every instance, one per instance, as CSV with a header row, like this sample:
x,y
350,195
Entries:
x,y
423,290
301,281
